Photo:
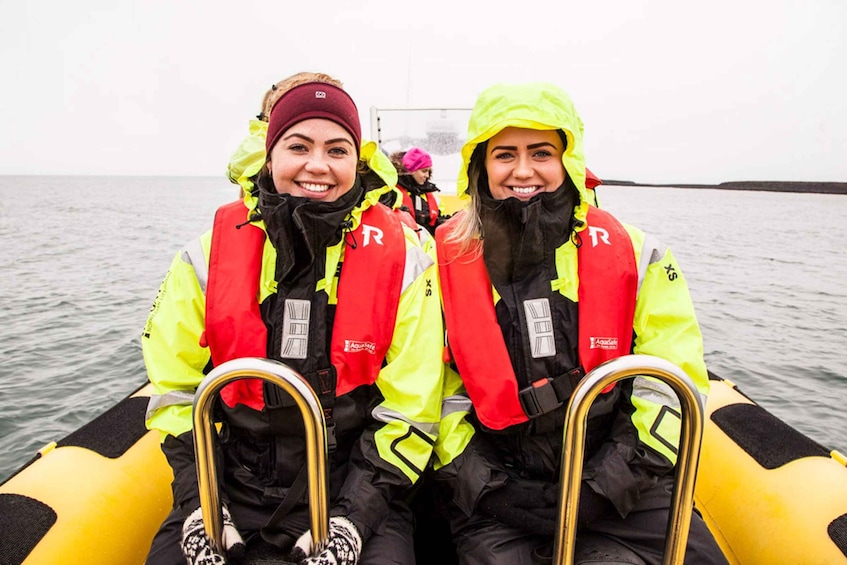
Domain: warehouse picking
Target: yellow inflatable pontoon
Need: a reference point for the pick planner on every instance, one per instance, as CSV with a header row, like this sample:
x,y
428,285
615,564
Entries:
x,y
769,494
96,497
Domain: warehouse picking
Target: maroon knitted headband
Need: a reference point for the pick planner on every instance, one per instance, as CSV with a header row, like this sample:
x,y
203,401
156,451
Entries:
x,y
313,100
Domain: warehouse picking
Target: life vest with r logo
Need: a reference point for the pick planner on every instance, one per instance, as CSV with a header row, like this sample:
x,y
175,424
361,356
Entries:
x,y
608,279
368,294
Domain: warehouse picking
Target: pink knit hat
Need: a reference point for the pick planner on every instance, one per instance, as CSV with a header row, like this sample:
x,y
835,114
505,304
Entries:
x,y
416,159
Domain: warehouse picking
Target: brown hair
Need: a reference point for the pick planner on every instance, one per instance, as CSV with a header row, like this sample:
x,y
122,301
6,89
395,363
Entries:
x,y
397,160
286,84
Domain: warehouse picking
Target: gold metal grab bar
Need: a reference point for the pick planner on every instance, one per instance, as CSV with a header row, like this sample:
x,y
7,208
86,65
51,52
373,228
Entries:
x,y
204,439
691,435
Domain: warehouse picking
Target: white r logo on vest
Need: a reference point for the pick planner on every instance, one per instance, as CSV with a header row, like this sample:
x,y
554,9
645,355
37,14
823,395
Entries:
x,y
593,232
366,234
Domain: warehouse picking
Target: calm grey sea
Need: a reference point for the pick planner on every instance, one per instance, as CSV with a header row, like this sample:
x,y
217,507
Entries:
x,y
82,258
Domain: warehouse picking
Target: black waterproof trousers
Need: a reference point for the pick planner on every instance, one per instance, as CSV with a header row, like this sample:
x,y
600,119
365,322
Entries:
x,y
638,539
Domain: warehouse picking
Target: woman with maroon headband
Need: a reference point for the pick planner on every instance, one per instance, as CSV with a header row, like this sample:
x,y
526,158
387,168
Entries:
x,y
311,242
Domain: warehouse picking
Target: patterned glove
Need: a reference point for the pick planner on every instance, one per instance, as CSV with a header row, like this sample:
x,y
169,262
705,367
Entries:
x,y
197,547
343,546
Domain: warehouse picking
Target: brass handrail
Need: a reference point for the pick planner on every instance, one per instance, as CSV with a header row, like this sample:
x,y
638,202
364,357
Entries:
x,y
205,434
691,435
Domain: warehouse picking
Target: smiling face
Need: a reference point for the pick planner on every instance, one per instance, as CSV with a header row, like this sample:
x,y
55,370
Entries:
x,y
422,175
524,162
315,158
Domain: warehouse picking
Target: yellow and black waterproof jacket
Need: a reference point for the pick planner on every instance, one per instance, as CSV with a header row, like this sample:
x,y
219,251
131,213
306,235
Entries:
x,y
396,418
633,431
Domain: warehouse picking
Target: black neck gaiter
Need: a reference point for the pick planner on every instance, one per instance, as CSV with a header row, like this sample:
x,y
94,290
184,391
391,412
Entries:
x,y
409,183
518,235
301,228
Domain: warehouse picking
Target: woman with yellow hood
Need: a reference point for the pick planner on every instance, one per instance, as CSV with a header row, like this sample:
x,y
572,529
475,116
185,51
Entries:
x,y
539,287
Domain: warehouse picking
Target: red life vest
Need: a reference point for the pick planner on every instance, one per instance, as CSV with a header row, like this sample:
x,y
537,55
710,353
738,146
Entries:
x,y
407,219
591,180
431,202
371,282
607,290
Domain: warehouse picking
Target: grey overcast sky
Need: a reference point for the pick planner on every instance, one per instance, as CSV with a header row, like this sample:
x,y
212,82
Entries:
x,y
669,91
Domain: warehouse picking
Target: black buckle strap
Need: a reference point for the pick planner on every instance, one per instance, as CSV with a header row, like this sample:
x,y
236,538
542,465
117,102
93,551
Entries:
x,y
331,442
323,382
539,398
548,394
326,381
272,531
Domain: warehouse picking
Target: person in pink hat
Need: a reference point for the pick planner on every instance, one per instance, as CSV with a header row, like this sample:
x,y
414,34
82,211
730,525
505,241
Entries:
x,y
414,170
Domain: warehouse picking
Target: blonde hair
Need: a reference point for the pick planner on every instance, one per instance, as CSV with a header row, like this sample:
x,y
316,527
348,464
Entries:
x,y
277,90
467,230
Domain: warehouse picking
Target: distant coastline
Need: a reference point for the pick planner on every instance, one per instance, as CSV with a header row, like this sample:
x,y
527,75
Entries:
x,y
767,186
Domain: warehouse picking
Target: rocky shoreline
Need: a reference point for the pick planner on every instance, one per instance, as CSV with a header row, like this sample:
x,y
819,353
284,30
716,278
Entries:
x,y
767,186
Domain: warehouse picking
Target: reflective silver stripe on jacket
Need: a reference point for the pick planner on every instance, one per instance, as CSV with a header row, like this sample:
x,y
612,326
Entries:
x,y
658,392
655,391
173,398
296,318
455,403
192,254
417,261
424,236
539,327
652,251
385,415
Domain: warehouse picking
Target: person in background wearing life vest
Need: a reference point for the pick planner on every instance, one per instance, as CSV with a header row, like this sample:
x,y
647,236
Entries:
x,y
539,288
286,273
414,169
